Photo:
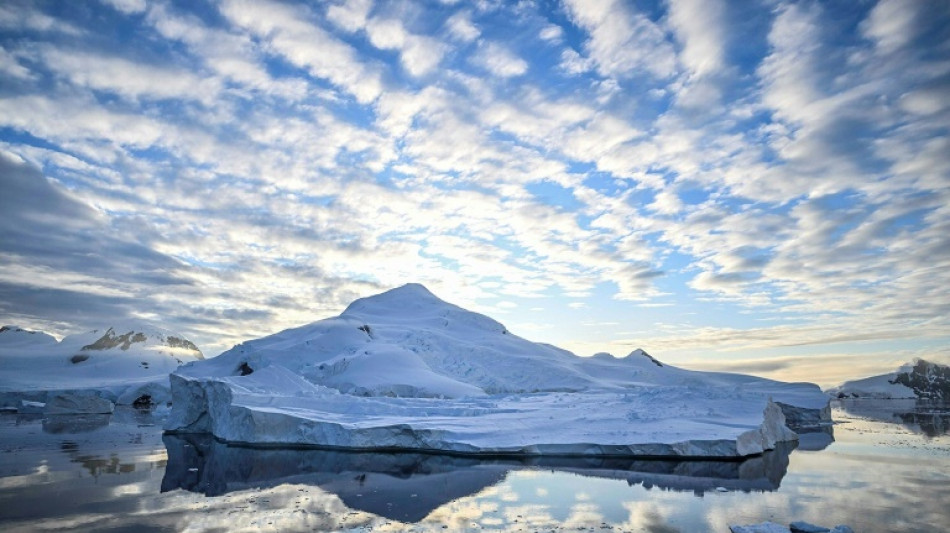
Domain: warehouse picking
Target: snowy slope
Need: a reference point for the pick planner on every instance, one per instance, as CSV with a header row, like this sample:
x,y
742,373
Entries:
x,y
919,379
407,342
17,337
405,369
113,361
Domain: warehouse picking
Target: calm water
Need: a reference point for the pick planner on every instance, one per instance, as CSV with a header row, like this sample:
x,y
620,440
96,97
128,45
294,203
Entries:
x,y
886,468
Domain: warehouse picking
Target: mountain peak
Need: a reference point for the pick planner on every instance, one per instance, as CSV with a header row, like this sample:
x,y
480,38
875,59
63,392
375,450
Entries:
x,y
639,352
408,297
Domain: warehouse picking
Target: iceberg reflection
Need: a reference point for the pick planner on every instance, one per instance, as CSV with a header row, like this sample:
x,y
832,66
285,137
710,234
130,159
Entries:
x,y
409,486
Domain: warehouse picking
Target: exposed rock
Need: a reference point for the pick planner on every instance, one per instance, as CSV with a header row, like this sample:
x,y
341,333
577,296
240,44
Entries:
x,y
112,340
158,394
929,381
921,380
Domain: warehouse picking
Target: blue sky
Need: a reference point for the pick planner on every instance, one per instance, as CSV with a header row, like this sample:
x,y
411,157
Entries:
x,y
758,186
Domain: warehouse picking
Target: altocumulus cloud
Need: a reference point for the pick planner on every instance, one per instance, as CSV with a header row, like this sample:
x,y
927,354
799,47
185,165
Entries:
x,y
711,178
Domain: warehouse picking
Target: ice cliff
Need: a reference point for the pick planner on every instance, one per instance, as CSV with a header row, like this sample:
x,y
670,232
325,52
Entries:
x,y
406,370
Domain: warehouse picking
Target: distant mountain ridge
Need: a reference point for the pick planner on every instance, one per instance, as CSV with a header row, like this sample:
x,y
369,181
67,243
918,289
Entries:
x,y
17,336
111,362
922,380
929,381
146,336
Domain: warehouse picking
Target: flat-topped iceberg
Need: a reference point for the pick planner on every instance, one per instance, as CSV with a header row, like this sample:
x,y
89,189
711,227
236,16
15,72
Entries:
x,y
406,370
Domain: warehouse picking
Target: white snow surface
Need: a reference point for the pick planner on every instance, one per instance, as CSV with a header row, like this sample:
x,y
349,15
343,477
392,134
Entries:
x,y
406,370
110,361
875,387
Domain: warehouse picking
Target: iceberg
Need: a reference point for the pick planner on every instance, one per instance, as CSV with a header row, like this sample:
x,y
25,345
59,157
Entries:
x,y
75,403
404,370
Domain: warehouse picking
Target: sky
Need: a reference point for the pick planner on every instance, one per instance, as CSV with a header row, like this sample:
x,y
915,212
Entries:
x,y
755,186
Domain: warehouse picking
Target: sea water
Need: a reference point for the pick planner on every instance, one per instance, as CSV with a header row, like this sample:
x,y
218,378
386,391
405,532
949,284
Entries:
x,y
884,466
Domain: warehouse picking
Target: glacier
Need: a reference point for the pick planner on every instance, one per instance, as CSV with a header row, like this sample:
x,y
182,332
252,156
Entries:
x,y
405,370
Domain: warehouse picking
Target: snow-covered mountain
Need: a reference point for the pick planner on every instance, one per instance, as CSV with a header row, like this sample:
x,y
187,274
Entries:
x,y
409,343
407,359
15,336
919,379
115,362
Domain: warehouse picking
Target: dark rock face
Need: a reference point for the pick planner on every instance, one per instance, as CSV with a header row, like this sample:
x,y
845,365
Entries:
x,y
245,369
176,342
651,358
929,381
111,340
143,402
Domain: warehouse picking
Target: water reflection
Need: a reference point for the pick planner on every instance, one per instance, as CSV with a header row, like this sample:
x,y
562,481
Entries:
x,y
409,486
877,477
69,424
815,439
931,419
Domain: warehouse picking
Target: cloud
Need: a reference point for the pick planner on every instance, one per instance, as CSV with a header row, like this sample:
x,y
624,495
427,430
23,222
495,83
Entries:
x,y
621,40
551,32
130,79
700,27
892,23
291,35
11,66
419,55
461,27
666,202
58,249
787,168
129,7
350,15
19,16
500,61
233,56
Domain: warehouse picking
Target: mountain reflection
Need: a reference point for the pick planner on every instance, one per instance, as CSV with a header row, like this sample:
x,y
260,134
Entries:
x,y
928,418
409,486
